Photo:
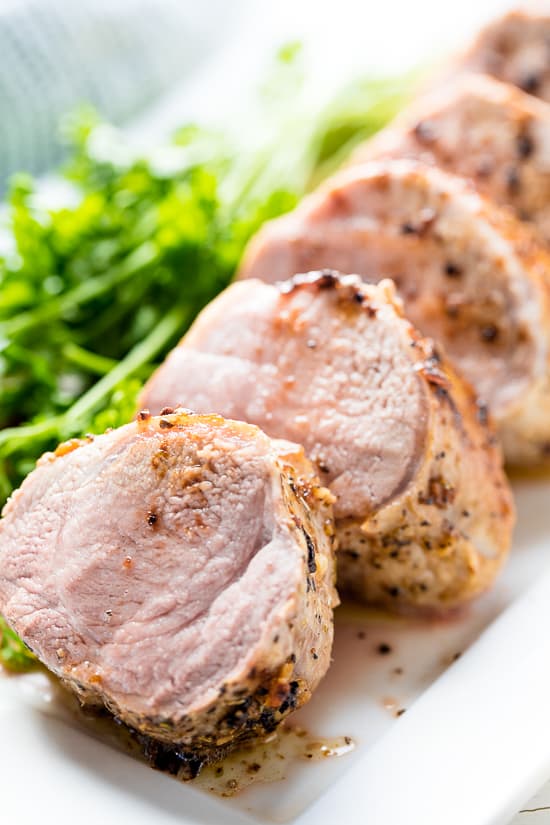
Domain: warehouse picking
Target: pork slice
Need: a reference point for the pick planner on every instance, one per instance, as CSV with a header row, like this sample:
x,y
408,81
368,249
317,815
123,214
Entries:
x,y
487,131
178,571
470,275
514,48
423,512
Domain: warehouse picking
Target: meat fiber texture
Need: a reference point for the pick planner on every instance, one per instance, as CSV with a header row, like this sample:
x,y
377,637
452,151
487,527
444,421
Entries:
x,y
470,275
178,571
423,510
487,131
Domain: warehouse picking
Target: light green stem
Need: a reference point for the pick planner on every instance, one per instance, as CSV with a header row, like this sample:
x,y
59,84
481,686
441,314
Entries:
x,y
88,361
71,422
140,259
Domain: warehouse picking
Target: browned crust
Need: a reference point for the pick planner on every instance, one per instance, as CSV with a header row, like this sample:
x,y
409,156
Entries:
x,y
421,553
349,289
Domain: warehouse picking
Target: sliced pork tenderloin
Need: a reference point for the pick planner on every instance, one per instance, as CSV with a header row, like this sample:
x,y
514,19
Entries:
x,y
487,131
423,511
471,277
178,571
514,48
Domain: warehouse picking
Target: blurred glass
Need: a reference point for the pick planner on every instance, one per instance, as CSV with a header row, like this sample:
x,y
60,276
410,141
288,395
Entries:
x,y
118,55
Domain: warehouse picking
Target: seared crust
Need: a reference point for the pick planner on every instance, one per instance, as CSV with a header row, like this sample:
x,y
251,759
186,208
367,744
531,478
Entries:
x,y
484,130
293,651
444,539
440,537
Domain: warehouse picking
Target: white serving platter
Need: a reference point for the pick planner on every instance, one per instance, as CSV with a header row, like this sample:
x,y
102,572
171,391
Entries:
x,y
473,744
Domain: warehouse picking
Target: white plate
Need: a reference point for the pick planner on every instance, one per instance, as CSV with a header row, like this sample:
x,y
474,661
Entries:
x,y
472,745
